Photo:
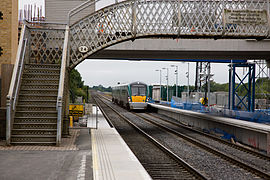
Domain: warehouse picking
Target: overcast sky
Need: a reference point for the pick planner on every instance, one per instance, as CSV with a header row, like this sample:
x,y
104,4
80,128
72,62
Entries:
x,y
108,73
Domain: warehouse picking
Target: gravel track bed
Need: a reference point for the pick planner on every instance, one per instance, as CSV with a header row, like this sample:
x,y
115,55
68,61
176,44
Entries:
x,y
212,166
262,164
157,164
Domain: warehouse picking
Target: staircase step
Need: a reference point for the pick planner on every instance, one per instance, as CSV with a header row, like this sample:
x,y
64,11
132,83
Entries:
x,y
32,97
36,107
41,75
33,139
35,136
21,123
42,71
39,132
39,92
41,79
34,125
36,113
39,86
29,120
34,143
37,102
39,95
42,66
41,106
49,74
36,81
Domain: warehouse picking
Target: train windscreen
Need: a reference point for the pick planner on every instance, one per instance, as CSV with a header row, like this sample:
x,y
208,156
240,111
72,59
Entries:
x,y
138,90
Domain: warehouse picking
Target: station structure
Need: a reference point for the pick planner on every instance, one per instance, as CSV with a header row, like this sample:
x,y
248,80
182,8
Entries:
x,y
37,98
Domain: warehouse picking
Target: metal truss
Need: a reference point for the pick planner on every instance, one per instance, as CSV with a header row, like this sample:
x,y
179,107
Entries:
x,y
262,84
241,94
164,18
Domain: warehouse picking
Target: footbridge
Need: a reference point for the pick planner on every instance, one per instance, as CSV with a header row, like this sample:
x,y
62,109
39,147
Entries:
x,y
38,94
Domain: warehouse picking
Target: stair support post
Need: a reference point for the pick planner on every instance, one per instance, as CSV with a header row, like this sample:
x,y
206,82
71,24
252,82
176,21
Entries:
x,y
8,125
59,121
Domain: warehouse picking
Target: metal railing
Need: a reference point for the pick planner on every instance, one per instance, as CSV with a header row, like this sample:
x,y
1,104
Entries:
x,y
15,82
60,96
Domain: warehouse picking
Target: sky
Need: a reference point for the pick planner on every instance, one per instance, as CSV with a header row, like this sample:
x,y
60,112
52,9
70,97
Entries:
x,y
109,73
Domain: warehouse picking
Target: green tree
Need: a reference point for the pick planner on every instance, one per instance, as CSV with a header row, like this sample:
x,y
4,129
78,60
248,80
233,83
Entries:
x,y
76,86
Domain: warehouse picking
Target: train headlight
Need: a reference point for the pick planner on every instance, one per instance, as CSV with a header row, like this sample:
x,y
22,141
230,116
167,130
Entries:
x,y
128,99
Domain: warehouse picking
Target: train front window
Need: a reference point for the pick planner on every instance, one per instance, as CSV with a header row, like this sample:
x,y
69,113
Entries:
x,y
138,90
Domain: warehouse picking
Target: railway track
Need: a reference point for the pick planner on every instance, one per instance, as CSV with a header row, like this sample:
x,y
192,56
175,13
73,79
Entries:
x,y
255,163
159,161
260,172
251,156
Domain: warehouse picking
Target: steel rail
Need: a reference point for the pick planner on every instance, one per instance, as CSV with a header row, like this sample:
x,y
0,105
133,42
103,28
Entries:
x,y
179,160
105,115
244,149
224,156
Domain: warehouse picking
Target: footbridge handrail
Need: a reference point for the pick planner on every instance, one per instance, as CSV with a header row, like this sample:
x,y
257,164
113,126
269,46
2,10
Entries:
x,y
15,82
62,80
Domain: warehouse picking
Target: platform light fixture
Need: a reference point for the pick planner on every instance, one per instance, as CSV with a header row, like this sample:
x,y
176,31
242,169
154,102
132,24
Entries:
x,y
176,83
187,73
159,83
167,78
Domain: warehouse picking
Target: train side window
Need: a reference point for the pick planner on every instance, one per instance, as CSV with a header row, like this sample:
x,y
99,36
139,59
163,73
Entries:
x,y
1,15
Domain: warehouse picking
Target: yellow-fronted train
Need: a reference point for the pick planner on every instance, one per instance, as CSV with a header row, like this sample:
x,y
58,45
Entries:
x,y
131,96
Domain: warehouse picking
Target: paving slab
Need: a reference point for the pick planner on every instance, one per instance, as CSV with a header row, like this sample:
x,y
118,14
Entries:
x,y
72,160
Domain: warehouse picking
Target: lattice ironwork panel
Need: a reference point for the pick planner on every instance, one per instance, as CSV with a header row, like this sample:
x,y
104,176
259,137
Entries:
x,y
167,18
46,46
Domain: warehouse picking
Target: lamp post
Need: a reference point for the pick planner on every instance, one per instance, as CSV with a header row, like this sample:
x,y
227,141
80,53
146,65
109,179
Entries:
x,y
159,84
167,78
188,81
176,83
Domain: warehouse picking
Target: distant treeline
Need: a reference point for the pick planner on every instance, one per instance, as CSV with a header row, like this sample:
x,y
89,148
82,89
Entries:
x,y
101,88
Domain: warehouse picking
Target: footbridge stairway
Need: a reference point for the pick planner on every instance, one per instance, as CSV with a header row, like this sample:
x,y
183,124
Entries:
x,y
35,120
38,95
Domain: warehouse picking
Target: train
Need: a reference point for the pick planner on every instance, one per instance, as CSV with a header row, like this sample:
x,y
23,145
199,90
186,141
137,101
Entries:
x,y
131,96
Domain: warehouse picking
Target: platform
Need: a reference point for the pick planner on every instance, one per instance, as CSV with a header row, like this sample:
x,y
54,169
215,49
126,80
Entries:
x,y
112,158
248,133
99,154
